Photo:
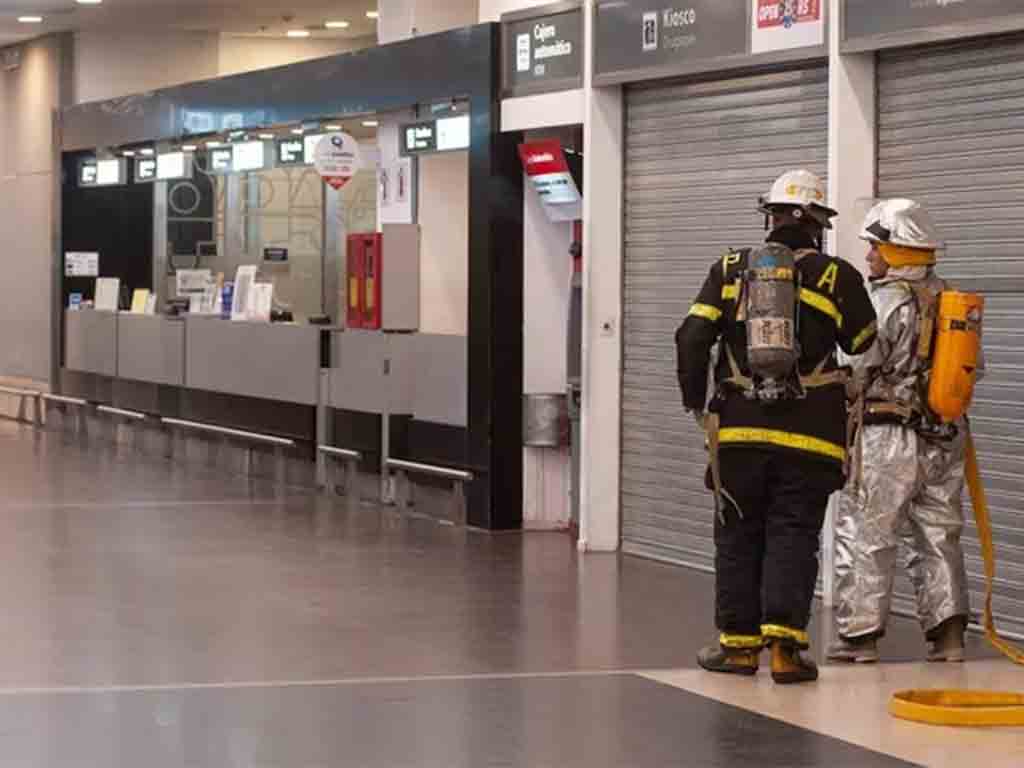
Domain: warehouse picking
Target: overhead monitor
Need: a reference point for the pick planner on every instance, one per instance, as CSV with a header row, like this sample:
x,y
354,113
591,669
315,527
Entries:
x,y
453,133
310,142
108,173
145,170
173,166
220,160
249,156
87,173
419,137
291,151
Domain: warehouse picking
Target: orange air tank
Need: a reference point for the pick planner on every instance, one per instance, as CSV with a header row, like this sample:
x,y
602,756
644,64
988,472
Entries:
x,y
956,355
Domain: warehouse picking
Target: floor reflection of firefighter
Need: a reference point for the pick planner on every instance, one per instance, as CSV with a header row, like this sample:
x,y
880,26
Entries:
x,y
909,471
776,425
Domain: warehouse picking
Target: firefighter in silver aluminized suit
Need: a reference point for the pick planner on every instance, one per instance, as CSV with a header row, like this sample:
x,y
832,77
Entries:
x,y
907,478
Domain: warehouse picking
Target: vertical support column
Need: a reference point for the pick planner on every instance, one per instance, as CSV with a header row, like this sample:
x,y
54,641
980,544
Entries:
x,y
603,152
160,241
852,168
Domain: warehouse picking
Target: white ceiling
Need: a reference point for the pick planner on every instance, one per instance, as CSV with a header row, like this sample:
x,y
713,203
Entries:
x,y
241,17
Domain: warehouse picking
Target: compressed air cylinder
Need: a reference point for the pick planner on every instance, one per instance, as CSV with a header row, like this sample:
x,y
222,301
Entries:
x,y
770,302
957,352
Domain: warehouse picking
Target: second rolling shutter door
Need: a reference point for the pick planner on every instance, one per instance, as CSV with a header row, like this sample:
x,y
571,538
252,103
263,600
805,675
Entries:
x,y
698,155
951,134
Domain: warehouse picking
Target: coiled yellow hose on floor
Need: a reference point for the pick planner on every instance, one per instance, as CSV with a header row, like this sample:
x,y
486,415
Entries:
x,y
962,707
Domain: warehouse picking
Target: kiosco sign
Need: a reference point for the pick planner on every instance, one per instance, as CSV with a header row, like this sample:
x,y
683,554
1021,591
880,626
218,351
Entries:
x,y
337,159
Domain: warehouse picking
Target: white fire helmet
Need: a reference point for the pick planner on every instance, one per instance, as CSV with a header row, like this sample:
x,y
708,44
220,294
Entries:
x,y
901,222
802,190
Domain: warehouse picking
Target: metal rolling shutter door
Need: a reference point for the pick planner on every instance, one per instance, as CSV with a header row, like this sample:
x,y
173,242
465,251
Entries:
x,y
951,134
698,155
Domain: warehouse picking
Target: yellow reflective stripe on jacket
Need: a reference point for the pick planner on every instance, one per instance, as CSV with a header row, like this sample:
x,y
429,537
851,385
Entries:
x,y
822,304
784,439
779,632
706,311
740,641
864,335
731,291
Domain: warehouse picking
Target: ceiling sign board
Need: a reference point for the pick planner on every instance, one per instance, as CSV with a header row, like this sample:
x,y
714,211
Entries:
x,y
446,134
543,49
337,159
291,152
145,170
249,156
870,18
419,138
103,173
220,160
778,25
173,166
546,166
636,35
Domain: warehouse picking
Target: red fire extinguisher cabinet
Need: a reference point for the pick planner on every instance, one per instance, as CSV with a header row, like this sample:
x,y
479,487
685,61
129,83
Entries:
x,y
364,268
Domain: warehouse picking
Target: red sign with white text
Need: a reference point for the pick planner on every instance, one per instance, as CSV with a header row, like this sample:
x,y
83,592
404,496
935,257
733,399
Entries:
x,y
786,13
545,164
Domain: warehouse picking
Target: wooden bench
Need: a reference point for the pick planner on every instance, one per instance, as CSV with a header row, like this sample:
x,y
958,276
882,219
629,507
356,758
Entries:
x,y
458,477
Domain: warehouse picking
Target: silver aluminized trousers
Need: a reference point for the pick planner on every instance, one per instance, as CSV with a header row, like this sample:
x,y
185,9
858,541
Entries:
x,y
910,496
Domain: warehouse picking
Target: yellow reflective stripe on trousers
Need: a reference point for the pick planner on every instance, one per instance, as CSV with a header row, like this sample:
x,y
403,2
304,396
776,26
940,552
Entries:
x,y
783,439
864,335
730,291
779,632
740,641
706,311
822,304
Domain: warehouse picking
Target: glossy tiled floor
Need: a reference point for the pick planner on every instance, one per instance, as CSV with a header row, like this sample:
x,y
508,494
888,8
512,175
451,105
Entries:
x,y
160,616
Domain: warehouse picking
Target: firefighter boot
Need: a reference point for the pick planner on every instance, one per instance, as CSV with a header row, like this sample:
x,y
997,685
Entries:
x,y
948,641
789,666
855,650
730,661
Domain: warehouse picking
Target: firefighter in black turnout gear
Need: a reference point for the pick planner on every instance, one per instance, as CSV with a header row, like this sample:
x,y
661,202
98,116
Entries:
x,y
776,423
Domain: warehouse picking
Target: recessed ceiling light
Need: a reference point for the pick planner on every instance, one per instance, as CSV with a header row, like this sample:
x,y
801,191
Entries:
x,y
298,131
30,19
146,151
214,144
332,127
128,153
337,24
266,136
298,33
188,147
89,2
370,123
373,14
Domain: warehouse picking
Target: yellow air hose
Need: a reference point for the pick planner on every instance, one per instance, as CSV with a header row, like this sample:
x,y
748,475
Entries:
x,y
963,707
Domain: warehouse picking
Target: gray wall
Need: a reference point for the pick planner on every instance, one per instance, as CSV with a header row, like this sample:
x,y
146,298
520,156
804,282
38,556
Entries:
x,y
28,96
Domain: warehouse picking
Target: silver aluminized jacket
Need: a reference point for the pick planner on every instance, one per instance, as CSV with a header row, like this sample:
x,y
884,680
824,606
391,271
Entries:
x,y
910,487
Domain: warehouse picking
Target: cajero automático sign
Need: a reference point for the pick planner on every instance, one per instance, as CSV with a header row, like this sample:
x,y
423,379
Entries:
x,y
543,49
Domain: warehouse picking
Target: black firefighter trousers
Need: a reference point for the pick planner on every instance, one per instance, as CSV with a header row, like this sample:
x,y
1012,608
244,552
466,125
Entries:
x,y
766,559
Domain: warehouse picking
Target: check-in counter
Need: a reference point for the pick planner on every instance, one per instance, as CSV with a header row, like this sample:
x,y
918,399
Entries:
x,y
151,349
90,342
271,361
